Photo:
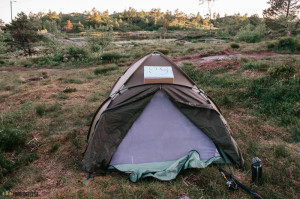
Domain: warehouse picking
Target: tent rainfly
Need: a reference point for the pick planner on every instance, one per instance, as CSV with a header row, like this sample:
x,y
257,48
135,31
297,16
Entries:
x,y
156,122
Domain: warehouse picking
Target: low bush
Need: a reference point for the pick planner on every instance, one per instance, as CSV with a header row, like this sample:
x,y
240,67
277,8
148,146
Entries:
x,y
163,51
110,57
62,96
54,107
95,48
53,149
69,90
251,34
40,109
190,50
282,71
288,44
2,63
234,45
77,53
271,46
245,59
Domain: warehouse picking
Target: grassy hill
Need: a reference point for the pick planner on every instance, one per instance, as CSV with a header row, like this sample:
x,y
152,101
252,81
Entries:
x,y
43,124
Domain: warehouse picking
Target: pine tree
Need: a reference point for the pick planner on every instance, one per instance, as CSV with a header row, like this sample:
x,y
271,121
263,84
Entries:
x,y
282,13
24,33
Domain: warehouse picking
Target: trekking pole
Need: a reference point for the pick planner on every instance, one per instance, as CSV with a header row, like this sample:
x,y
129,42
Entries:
x,y
231,184
227,175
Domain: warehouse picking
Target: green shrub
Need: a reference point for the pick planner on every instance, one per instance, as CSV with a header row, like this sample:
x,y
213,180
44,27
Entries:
x,y
283,71
40,109
234,45
27,65
251,34
77,53
288,44
69,90
110,57
11,140
44,60
190,50
271,46
62,96
163,51
2,63
54,107
58,58
95,48
53,149
98,71
245,59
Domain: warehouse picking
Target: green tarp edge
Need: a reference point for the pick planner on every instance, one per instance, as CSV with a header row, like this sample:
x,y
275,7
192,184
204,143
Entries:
x,y
165,170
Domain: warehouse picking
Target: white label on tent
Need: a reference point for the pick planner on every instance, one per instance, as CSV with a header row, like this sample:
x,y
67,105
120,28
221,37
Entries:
x,y
156,72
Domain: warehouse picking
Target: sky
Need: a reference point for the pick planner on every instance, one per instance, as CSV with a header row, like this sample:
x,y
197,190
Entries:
x,y
188,6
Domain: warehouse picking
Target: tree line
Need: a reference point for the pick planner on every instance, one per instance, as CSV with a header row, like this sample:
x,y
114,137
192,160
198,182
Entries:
x,y
282,15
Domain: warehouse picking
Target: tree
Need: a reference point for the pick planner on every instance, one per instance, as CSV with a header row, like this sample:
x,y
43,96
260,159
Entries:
x,y
68,26
99,38
282,7
52,16
50,26
282,12
210,4
79,27
24,33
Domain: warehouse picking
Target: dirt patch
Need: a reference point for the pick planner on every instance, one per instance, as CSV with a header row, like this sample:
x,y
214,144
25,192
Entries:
x,y
14,69
226,64
226,55
197,57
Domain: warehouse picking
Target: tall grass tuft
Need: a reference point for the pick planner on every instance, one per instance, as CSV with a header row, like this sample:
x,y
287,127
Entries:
x,y
11,140
111,57
99,71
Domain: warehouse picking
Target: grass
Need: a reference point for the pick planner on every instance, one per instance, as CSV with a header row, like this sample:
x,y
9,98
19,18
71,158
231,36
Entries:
x,y
69,90
46,124
99,71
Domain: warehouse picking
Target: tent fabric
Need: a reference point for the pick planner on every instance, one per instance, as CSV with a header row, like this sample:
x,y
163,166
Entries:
x,y
167,170
156,60
128,99
153,138
112,127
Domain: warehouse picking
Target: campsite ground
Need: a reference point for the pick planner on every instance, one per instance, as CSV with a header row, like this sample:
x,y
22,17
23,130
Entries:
x,y
256,89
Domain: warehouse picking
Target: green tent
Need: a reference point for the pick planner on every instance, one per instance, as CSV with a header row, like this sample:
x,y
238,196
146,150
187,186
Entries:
x,y
156,122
